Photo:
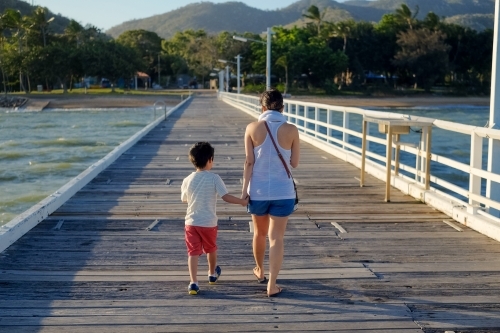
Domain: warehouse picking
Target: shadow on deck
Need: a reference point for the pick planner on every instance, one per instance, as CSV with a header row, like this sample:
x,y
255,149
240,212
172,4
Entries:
x,y
353,263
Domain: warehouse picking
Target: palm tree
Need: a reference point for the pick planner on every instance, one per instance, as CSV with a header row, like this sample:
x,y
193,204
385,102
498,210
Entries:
x,y
344,30
314,14
40,22
74,32
283,62
14,21
404,14
3,28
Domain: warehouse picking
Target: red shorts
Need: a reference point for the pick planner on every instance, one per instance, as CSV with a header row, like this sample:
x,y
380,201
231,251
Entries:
x,y
200,239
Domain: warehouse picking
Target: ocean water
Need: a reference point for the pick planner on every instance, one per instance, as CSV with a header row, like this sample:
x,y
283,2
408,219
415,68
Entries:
x,y
42,151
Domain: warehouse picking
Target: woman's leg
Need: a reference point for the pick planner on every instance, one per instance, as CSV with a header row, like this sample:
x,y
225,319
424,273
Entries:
x,y
277,229
260,230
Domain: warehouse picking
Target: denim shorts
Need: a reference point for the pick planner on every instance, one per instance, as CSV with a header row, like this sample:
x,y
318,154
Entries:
x,y
279,208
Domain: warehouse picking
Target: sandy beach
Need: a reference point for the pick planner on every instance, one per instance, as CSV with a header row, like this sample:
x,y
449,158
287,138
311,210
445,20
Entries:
x,y
75,101
395,102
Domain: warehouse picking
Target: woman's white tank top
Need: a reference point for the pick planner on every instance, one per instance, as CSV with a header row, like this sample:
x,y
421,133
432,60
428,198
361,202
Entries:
x,y
269,178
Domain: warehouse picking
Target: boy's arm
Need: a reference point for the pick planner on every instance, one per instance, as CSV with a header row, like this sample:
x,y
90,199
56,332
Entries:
x,y
183,192
235,200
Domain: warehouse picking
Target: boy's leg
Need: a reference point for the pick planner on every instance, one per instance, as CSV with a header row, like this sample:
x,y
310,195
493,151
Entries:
x,y
193,268
212,262
209,244
260,230
194,248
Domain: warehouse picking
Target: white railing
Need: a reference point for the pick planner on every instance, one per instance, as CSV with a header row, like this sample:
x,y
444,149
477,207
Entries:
x,y
338,130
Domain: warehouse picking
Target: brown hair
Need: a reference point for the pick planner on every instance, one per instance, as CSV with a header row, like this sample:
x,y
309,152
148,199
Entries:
x,y
200,153
272,99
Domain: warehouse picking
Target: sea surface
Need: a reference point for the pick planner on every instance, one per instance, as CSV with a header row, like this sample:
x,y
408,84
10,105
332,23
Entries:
x,y
42,151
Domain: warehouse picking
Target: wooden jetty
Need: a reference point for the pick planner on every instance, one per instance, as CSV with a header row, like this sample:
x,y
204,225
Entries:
x,y
113,259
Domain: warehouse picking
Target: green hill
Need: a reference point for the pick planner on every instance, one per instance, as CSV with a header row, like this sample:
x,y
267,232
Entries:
x,y
58,25
238,17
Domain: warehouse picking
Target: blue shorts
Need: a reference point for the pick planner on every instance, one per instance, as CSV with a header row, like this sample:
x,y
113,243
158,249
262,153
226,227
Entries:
x,y
279,208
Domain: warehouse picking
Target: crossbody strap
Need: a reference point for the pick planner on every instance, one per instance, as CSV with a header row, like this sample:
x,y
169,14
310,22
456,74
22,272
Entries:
x,y
278,151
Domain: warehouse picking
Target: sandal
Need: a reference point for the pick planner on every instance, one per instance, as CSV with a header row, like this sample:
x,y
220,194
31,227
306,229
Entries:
x,y
276,293
259,280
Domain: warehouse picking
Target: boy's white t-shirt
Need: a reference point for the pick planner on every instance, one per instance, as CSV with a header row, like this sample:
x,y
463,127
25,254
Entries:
x,y
200,190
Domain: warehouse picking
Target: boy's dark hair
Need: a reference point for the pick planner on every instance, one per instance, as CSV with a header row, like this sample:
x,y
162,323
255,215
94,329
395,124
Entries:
x,y
272,99
200,153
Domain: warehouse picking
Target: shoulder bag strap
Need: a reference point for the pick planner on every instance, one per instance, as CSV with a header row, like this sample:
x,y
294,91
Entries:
x,y
278,151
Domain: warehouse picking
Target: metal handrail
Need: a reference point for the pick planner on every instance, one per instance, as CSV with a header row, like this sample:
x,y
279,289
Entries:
x,y
306,116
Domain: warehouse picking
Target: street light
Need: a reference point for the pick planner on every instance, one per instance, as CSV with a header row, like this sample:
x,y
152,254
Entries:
x,y
238,58
268,53
221,78
227,73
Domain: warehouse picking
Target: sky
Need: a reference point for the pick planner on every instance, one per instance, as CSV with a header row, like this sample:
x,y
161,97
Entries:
x,y
105,14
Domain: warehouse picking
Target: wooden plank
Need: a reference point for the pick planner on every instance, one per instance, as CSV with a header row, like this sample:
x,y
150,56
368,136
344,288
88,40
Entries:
x,y
398,268
168,276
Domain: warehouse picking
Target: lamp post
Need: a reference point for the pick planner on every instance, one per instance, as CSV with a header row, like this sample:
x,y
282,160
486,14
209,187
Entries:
x,y
238,68
268,53
238,57
221,78
159,82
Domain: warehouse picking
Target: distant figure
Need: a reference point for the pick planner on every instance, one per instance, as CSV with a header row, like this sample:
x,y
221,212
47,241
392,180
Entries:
x,y
200,190
267,181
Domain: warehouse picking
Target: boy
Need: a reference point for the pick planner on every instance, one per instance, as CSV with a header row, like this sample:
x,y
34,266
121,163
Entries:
x,y
200,190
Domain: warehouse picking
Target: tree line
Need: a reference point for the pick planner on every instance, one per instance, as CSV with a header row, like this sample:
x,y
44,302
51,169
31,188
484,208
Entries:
x,y
398,52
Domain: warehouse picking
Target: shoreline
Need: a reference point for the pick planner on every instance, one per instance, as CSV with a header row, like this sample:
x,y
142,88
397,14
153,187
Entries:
x,y
77,101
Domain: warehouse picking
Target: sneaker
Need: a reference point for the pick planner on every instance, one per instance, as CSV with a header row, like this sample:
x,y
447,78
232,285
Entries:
x,y
213,279
193,289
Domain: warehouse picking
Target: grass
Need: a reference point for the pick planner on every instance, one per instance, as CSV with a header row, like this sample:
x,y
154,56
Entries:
x,y
106,92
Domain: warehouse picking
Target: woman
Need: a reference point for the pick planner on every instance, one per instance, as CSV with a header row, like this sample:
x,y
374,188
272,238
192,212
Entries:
x,y
265,179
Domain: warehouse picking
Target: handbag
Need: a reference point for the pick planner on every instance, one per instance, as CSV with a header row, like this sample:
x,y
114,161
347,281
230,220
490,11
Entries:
x,y
286,167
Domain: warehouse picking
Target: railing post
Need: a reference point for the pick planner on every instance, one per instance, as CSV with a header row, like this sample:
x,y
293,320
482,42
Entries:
x,y
329,122
419,166
345,136
316,118
388,161
476,159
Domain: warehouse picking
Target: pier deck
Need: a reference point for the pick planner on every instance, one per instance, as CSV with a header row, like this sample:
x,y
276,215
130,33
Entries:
x,y
113,259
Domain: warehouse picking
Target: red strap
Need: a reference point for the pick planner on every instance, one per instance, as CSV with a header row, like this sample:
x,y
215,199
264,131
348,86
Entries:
x,y
278,151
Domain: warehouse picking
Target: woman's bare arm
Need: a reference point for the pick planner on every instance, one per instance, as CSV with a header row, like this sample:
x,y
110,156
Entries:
x,y
249,161
294,159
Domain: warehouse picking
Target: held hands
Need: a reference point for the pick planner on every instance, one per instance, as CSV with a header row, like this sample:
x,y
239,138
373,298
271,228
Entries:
x,y
245,198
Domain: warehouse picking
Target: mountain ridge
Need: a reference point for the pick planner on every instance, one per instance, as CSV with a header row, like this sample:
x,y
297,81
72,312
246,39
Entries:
x,y
238,17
